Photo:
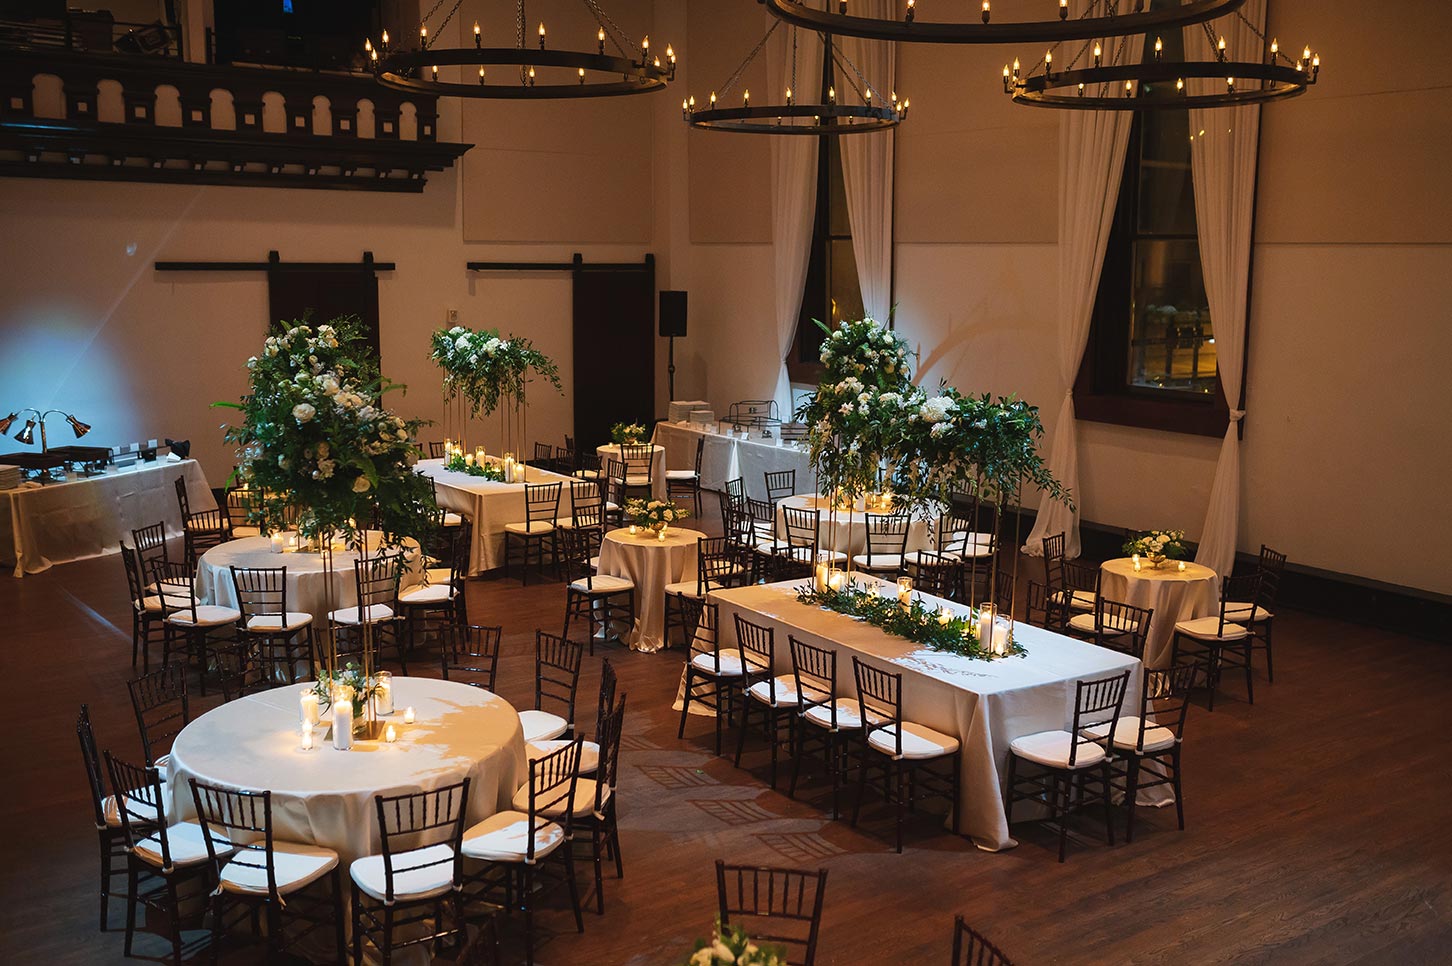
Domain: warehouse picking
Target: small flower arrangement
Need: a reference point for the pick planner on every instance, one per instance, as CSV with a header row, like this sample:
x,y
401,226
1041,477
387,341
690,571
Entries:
x,y
349,684
1158,546
732,947
627,433
654,514
485,470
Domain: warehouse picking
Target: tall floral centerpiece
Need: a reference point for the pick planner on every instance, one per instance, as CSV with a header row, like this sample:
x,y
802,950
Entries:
x,y
315,440
870,428
484,372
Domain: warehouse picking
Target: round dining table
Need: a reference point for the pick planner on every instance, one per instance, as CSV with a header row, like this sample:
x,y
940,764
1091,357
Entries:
x,y
307,583
324,796
612,451
651,564
843,531
1175,594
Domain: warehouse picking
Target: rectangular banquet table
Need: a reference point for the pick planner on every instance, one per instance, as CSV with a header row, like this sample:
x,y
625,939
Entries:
x,y
985,704
490,506
88,516
727,457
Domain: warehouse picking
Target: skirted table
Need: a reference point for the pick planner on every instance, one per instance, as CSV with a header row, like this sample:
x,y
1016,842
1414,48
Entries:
x,y
651,564
1176,595
489,506
845,532
612,451
91,515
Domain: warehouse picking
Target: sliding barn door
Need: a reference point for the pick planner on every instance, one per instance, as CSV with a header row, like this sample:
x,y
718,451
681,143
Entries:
x,y
614,348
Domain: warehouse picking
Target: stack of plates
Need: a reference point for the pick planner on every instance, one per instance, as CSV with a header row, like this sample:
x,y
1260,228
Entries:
x,y
10,476
680,410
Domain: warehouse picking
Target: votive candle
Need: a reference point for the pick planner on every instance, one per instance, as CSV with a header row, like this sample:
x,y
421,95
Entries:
x,y
383,693
277,542
837,579
904,590
307,736
945,616
408,715
390,735
1135,558
1182,566
308,707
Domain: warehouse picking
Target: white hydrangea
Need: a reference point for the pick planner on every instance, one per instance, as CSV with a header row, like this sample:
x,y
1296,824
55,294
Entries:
x,y
303,412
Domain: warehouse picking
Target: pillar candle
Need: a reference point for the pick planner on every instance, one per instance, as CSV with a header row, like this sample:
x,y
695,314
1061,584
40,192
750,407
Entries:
x,y
904,590
820,577
985,628
277,542
383,695
837,579
307,737
343,725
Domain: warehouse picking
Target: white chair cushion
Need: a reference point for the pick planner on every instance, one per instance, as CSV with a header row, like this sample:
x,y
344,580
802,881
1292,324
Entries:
x,y
1078,600
681,475
637,481
244,530
504,837
785,691
294,864
1246,613
208,615
880,561
150,603
689,588
584,800
1051,748
542,725
185,841
918,741
1208,629
452,519
589,752
427,594
594,563
1126,735
1085,623
928,558
423,883
612,507
290,621
349,615
730,663
849,715
139,811
531,529
603,584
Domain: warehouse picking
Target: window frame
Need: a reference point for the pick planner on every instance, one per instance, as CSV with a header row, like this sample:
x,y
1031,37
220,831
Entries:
x,y
1102,392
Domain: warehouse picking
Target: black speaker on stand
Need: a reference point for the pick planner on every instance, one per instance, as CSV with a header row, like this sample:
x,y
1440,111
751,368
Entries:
x,y
672,324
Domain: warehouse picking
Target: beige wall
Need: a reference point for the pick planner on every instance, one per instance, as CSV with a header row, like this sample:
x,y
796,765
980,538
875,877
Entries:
x,y
1350,325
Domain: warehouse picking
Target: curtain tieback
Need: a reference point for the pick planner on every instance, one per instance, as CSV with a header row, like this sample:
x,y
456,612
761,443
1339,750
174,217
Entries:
x,y
1236,415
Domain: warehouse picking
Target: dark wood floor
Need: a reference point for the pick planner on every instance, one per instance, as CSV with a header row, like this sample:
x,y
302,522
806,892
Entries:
x,y
1319,831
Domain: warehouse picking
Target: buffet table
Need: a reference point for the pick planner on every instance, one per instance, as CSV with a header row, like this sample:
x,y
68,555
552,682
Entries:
x,y
489,506
41,526
728,457
651,564
985,704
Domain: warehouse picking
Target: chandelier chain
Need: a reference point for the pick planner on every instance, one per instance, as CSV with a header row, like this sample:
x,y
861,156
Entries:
x,y
755,51
617,34
839,57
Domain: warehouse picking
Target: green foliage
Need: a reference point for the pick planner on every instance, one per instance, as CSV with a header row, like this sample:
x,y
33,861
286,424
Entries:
x,y
916,622
624,433
316,441
732,947
485,470
486,369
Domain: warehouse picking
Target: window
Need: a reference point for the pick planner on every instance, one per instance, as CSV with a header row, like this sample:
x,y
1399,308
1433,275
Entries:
x,y
832,293
1151,357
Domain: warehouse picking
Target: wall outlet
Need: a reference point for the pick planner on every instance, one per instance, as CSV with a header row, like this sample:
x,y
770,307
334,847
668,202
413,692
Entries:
x,y
453,316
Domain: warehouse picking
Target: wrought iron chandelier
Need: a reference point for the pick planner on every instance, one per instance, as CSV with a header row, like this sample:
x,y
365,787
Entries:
x,y
528,71
858,108
1115,19
1159,84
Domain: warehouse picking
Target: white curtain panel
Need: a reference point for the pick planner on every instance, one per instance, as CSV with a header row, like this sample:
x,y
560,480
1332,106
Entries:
x,y
1092,146
1223,151
867,165
793,190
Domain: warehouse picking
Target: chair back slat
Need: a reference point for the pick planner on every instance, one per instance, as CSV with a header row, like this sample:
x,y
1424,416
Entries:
x,y
758,647
557,674
471,654
95,773
140,804
773,905
542,503
814,669
879,694
780,484
1092,699
972,948
260,591
242,819
162,708
553,779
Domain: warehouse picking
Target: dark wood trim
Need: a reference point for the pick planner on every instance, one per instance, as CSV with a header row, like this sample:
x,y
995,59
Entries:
x,y
577,264
275,263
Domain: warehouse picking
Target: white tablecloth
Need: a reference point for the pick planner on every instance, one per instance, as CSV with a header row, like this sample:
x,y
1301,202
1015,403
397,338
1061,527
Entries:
x,y
490,506
755,458
306,579
985,704
651,564
325,797
90,516
611,451
1175,596
718,457
844,533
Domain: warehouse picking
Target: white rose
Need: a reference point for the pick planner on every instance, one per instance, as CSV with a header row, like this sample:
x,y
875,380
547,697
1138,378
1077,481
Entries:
x,y
303,412
361,485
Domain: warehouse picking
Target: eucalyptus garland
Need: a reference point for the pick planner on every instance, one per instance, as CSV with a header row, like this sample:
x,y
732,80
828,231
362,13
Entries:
x,y
486,470
915,621
487,369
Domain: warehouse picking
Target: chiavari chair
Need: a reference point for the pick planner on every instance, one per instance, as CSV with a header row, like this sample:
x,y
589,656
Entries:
x,y
1216,642
589,750
603,601
280,637
825,718
887,535
717,567
376,582
687,482
1061,763
715,673
106,812
537,531
148,618
162,707
1258,614
201,529
639,460
972,948
556,680
471,655
780,484
773,905
1113,624
775,695
210,633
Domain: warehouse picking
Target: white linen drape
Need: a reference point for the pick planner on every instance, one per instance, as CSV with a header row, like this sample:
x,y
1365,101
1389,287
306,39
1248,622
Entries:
x,y
793,194
867,168
1223,148
1092,145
